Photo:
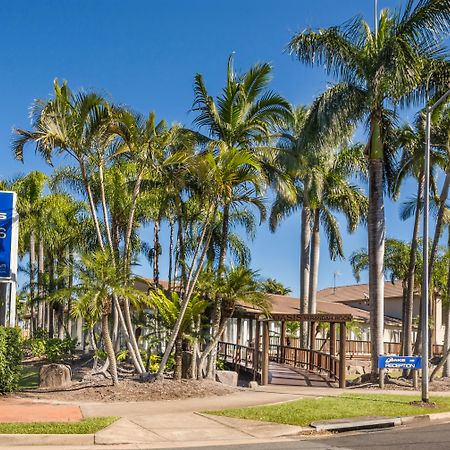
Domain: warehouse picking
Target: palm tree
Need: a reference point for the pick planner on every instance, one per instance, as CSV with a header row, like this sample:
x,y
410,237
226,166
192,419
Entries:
x,y
410,140
232,285
97,280
375,72
321,181
168,307
29,190
240,119
272,286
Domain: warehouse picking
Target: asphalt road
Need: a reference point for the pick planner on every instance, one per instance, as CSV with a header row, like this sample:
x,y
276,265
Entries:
x,y
428,437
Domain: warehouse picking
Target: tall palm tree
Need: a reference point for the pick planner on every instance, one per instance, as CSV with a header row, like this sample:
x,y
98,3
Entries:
x,y
410,140
376,72
321,178
30,189
241,118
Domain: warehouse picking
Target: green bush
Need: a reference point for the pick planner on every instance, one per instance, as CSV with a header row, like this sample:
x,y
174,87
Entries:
x,y
220,364
53,350
59,350
154,362
10,358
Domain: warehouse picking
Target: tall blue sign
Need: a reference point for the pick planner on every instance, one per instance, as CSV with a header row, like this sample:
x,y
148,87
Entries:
x,y
7,213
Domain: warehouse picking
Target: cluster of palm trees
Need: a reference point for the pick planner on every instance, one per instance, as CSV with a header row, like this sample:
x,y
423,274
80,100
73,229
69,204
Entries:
x,y
209,185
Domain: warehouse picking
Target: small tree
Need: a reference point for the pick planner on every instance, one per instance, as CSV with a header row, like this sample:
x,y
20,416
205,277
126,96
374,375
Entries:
x,y
97,281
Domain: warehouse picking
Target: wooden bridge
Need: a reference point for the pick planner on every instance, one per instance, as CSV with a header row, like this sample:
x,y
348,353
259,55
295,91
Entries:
x,y
257,359
285,365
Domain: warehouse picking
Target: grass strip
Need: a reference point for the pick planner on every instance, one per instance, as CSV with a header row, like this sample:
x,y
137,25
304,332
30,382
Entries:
x,y
84,426
303,412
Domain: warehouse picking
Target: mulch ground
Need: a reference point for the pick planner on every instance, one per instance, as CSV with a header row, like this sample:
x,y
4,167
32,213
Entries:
x,y
132,390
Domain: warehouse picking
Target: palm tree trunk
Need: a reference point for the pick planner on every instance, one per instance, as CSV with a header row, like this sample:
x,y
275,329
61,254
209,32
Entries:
x,y
109,349
70,285
409,305
178,369
439,221
41,287
376,238
93,210
51,288
315,256
32,251
305,243
136,191
446,313
156,248
224,238
171,224
136,356
196,266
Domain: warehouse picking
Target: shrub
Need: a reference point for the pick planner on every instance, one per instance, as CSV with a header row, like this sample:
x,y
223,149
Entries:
x,y
59,350
54,349
220,364
10,358
155,360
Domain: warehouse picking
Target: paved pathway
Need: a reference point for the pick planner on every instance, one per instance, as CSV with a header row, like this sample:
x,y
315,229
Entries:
x,y
21,410
283,374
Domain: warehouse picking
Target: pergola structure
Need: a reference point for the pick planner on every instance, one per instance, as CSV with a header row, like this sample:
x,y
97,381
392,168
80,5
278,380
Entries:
x,y
311,358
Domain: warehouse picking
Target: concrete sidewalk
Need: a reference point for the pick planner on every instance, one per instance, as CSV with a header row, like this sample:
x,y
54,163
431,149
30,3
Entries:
x,y
181,423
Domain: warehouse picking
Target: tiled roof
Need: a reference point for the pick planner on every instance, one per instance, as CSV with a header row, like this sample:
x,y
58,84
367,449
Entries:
x,y
358,292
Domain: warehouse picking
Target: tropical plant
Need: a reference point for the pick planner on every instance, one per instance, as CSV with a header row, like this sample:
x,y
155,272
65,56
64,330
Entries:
x,y
272,286
97,281
375,72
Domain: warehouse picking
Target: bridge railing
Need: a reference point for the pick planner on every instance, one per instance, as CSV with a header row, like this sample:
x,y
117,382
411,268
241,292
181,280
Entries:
x,y
249,358
241,357
354,347
306,359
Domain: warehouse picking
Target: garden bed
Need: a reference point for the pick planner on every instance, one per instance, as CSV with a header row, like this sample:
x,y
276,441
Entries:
x,y
132,390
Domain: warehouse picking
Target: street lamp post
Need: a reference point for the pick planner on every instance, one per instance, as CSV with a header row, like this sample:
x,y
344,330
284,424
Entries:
x,y
425,280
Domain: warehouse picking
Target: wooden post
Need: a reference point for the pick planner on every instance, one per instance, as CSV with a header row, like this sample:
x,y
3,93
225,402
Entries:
x,y
333,339
256,350
282,341
250,332
342,346
312,341
265,354
238,343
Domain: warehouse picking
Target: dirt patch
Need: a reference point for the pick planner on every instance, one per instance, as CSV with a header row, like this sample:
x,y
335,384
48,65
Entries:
x,y
132,391
87,386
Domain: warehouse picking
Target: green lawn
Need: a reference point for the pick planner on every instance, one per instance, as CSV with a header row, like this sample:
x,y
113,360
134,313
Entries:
x,y
84,426
29,378
303,412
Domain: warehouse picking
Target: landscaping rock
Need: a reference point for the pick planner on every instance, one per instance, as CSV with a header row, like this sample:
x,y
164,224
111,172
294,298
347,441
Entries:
x,y
227,377
54,376
253,384
356,370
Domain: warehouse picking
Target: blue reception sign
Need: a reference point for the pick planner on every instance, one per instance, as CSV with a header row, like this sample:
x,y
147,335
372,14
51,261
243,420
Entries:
x,y
399,362
7,230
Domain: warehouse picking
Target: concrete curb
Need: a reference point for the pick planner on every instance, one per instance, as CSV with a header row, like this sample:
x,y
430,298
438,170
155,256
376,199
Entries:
x,y
377,423
13,440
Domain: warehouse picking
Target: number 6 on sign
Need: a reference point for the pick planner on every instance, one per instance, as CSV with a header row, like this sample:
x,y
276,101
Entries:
x,y
2,233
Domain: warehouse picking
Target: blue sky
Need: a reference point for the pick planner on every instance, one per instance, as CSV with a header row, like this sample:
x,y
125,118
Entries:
x,y
145,54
